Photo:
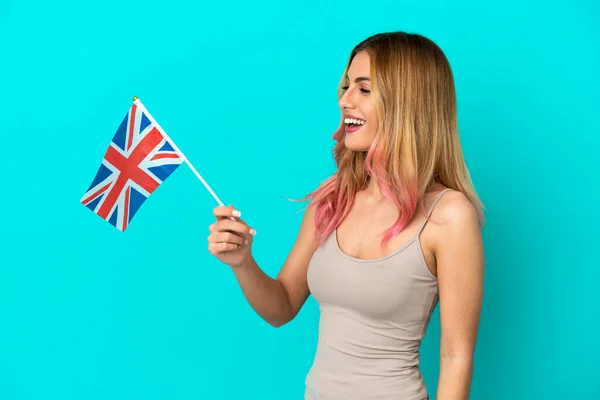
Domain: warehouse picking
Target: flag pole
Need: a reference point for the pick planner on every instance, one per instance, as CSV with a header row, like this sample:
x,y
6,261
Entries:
x,y
137,101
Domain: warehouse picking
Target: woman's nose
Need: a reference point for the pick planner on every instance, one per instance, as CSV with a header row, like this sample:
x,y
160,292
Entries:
x,y
346,100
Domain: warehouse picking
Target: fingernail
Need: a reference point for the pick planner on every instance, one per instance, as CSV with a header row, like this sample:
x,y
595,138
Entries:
x,y
246,242
252,232
236,213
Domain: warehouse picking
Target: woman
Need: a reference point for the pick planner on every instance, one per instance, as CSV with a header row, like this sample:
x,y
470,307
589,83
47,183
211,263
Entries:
x,y
395,230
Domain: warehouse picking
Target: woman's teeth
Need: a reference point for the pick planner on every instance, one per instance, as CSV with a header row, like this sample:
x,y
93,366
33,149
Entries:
x,y
353,121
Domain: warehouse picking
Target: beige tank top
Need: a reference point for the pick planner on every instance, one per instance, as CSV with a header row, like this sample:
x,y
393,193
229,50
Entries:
x,y
374,314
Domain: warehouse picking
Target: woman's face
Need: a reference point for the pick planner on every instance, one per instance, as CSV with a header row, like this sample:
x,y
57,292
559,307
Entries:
x,y
357,105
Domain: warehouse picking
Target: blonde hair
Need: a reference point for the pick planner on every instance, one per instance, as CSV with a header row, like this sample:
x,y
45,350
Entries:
x,y
417,141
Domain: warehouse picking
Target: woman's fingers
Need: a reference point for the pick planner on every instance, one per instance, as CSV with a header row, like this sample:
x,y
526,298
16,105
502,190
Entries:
x,y
229,220
218,248
221,242
230,237
226,237
222,211
227,225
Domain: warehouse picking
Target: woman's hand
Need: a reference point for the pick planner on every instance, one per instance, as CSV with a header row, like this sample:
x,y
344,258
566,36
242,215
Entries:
x,y
230,239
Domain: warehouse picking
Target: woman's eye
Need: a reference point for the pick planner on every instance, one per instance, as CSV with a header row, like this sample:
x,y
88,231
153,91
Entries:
x,y
363,90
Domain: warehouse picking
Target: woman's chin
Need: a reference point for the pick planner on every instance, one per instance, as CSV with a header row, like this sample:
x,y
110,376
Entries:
x,y
357,143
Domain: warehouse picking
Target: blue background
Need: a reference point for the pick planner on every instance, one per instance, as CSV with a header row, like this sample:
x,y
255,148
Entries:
x,y
247,91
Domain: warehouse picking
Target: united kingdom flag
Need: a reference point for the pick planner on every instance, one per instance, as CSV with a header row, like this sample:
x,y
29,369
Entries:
x,y
139,158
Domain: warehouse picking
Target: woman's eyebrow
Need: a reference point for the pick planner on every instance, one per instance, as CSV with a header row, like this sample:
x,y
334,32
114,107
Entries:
x,y
359,79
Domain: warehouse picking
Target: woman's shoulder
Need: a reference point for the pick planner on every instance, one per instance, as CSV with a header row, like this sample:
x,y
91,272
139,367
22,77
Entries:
x,y
454,209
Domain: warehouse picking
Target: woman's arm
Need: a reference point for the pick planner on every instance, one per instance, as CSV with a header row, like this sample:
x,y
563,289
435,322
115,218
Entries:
x,y
279,300
460,262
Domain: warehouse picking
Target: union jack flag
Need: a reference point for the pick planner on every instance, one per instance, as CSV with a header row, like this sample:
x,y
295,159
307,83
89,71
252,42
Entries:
x,y
139,158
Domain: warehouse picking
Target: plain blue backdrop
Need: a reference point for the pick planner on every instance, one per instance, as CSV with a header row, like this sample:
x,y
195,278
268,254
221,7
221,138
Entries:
x,y
247,91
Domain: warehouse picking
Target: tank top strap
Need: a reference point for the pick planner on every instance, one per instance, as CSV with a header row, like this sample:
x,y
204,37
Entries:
x,y
439,196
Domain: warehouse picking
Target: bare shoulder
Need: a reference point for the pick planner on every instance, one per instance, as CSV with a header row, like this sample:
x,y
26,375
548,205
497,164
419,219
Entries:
x,y
293,274
456,221
457,228
309,216
306,242
308,229
455,209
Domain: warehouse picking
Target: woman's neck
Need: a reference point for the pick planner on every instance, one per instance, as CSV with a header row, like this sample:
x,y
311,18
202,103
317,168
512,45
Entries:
x,y
373,192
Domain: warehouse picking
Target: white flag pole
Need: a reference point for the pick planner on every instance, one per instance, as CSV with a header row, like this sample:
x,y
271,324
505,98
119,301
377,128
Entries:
x,y
137,102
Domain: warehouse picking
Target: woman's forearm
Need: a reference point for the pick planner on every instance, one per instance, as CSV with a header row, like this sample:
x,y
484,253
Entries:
x,y
455,378
266,296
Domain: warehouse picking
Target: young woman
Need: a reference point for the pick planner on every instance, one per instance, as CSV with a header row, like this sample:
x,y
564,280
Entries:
x,y
394,231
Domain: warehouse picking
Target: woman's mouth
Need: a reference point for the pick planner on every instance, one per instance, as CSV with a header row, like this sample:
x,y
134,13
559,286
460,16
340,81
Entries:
x,y
353,124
